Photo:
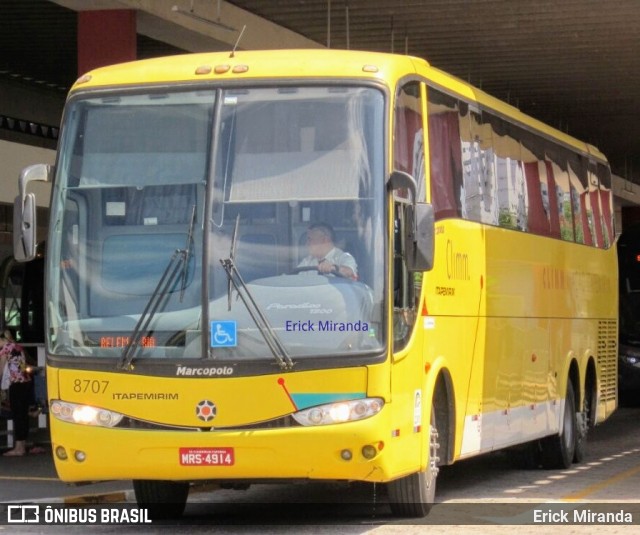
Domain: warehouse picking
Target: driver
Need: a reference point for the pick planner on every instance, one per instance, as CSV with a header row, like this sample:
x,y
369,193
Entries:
x,y
324,255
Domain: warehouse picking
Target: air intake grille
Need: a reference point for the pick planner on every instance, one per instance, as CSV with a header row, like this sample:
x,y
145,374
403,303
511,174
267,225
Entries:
x,y
608,358
278,423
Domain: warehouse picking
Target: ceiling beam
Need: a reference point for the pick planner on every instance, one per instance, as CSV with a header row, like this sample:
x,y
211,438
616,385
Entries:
x,y
200,25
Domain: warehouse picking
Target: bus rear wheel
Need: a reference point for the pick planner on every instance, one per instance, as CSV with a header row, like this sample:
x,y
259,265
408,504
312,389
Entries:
x,y
558,451
583,421
413,495
163,500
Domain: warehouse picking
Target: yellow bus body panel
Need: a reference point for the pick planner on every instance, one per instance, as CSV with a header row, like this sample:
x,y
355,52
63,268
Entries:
x,y
507,313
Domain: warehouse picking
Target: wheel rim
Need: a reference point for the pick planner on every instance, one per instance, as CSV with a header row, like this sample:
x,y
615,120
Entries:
x,y
434,446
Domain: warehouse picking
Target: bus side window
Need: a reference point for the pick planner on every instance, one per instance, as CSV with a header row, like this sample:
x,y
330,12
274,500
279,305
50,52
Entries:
x,y
606,201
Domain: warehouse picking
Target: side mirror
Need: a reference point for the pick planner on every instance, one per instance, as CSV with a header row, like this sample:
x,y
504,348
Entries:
x,y
24,228
420,230
24,212
420,240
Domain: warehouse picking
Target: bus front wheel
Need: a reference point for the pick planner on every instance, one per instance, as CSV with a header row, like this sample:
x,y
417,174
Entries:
x,y
413,495
163,499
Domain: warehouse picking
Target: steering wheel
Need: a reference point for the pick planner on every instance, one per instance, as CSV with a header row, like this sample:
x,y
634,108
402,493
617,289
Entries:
x,y
300,269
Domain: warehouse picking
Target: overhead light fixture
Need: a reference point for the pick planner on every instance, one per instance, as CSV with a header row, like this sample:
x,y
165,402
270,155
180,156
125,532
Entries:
x,y
193,15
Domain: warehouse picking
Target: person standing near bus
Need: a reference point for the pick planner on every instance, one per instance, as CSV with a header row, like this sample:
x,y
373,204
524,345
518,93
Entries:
x,y
18,381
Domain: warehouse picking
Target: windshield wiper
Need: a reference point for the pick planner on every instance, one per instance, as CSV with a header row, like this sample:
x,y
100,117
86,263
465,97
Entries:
x,y
187,253
234,278
179,259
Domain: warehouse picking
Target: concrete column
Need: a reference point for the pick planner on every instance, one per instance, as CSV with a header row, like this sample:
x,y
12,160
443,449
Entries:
x,y
105,37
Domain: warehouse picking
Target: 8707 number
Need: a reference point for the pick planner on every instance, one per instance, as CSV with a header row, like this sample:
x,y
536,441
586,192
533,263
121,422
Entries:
x,y
90,385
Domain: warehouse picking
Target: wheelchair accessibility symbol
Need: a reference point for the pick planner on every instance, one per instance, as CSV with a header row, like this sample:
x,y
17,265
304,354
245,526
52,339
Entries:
x,y
224,334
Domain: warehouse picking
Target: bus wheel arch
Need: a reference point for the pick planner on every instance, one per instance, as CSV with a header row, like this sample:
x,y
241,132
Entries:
x,y
414,494
444,402
590,397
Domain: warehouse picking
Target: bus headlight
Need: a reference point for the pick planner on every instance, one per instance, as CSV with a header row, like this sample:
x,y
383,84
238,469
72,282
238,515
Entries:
x,y
84,414
339,412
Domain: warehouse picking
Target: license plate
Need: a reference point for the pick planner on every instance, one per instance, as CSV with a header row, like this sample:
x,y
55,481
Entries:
x,y
207,457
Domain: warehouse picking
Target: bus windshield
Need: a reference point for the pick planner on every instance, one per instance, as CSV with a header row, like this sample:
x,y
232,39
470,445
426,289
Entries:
x,y
230,224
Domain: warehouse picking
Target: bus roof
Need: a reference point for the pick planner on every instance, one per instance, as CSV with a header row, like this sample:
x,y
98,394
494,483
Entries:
x,y
312,64
270,64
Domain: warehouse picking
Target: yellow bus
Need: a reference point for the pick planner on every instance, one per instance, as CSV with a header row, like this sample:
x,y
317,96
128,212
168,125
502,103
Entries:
x,y
467,301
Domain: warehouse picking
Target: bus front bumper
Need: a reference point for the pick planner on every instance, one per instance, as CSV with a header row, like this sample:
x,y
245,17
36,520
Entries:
x,y
360,450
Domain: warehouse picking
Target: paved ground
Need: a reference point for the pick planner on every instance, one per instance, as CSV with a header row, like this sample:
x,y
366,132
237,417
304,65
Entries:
x,y
33,477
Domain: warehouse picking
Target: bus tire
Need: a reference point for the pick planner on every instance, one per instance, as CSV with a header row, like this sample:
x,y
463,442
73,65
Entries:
x,y
583,421
558,451
163,500
413,495
581,437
